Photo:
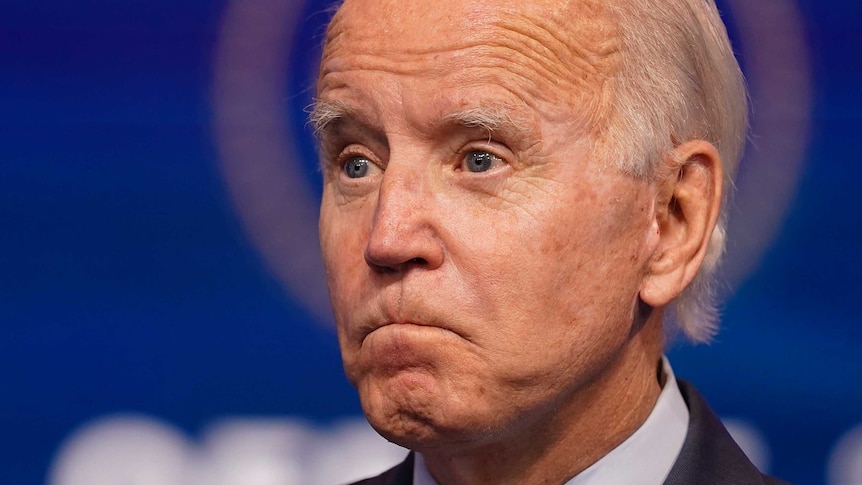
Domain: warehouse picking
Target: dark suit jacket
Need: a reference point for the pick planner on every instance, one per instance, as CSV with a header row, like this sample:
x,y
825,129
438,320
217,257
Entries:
x,y
709,455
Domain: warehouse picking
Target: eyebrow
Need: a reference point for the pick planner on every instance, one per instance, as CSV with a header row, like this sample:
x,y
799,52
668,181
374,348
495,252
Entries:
x,y
322,114
493,117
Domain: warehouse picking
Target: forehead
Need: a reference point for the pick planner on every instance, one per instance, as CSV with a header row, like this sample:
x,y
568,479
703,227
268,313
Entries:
x,y
551,48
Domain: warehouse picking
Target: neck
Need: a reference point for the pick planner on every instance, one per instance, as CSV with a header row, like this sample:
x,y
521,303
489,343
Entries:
x,y
571,435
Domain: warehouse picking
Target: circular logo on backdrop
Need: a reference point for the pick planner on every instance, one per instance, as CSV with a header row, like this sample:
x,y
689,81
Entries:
x,y
263,78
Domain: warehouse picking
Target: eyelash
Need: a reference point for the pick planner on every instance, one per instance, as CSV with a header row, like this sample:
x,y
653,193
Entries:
x,y
349,152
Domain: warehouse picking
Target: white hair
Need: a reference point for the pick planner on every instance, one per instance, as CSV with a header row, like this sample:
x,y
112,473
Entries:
x,y
678,81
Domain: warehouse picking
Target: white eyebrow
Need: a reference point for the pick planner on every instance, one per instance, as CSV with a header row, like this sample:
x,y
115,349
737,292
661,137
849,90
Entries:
x,y
491,118
323,113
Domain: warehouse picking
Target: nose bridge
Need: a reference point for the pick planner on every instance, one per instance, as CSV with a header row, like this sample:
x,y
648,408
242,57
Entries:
x,y
403,229
403,187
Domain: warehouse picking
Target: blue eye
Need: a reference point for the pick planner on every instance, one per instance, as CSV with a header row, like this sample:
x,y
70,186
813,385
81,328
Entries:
x,y
356,167
481,161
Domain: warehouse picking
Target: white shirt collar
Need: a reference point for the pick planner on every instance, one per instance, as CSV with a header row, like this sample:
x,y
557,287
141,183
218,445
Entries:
x,y
646,457
421,475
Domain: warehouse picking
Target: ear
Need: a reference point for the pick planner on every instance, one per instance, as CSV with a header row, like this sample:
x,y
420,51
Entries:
x,y
687,209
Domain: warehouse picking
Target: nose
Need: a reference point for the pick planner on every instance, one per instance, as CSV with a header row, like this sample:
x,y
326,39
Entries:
x,y
404,233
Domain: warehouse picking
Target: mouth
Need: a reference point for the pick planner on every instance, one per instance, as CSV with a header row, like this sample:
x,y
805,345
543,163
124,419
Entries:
x,y
404,323
396,347
403,332
393,326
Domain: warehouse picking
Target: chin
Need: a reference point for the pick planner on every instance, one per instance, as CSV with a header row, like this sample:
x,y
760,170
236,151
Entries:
x,y
409,408
416,412
406,429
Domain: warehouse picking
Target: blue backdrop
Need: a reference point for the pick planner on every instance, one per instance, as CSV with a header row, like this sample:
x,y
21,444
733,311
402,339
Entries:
x,y
157,186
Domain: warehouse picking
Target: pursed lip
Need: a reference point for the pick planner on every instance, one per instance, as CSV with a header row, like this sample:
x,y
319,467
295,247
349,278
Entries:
x,y
367,331
387,310
391,323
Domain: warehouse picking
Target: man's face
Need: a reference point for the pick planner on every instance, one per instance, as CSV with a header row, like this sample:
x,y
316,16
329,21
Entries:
x,y
483,266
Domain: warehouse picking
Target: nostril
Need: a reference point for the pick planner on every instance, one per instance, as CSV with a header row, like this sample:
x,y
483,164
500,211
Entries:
x,y
379,268
396,267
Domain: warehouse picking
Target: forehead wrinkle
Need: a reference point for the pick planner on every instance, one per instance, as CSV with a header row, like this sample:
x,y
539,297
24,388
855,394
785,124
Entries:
x,y
555,57
572,48
384,61
476,64
547,53
566,46
580,32
382,39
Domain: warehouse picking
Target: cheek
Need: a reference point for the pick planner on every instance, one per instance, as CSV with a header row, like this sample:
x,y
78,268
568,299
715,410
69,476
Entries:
x,y
342,233
343,230
344,263
556,280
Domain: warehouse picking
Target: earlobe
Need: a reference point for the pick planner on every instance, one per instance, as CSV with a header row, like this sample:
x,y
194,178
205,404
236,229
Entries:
x,y
687,209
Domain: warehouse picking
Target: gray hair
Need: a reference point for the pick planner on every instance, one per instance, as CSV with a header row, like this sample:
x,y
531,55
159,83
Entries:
x,y
678,81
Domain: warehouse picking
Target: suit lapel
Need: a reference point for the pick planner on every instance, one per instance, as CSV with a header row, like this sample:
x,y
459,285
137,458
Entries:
x,y
709,454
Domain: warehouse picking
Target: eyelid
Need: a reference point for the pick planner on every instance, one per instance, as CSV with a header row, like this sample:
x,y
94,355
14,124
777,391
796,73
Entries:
x,y
343,153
